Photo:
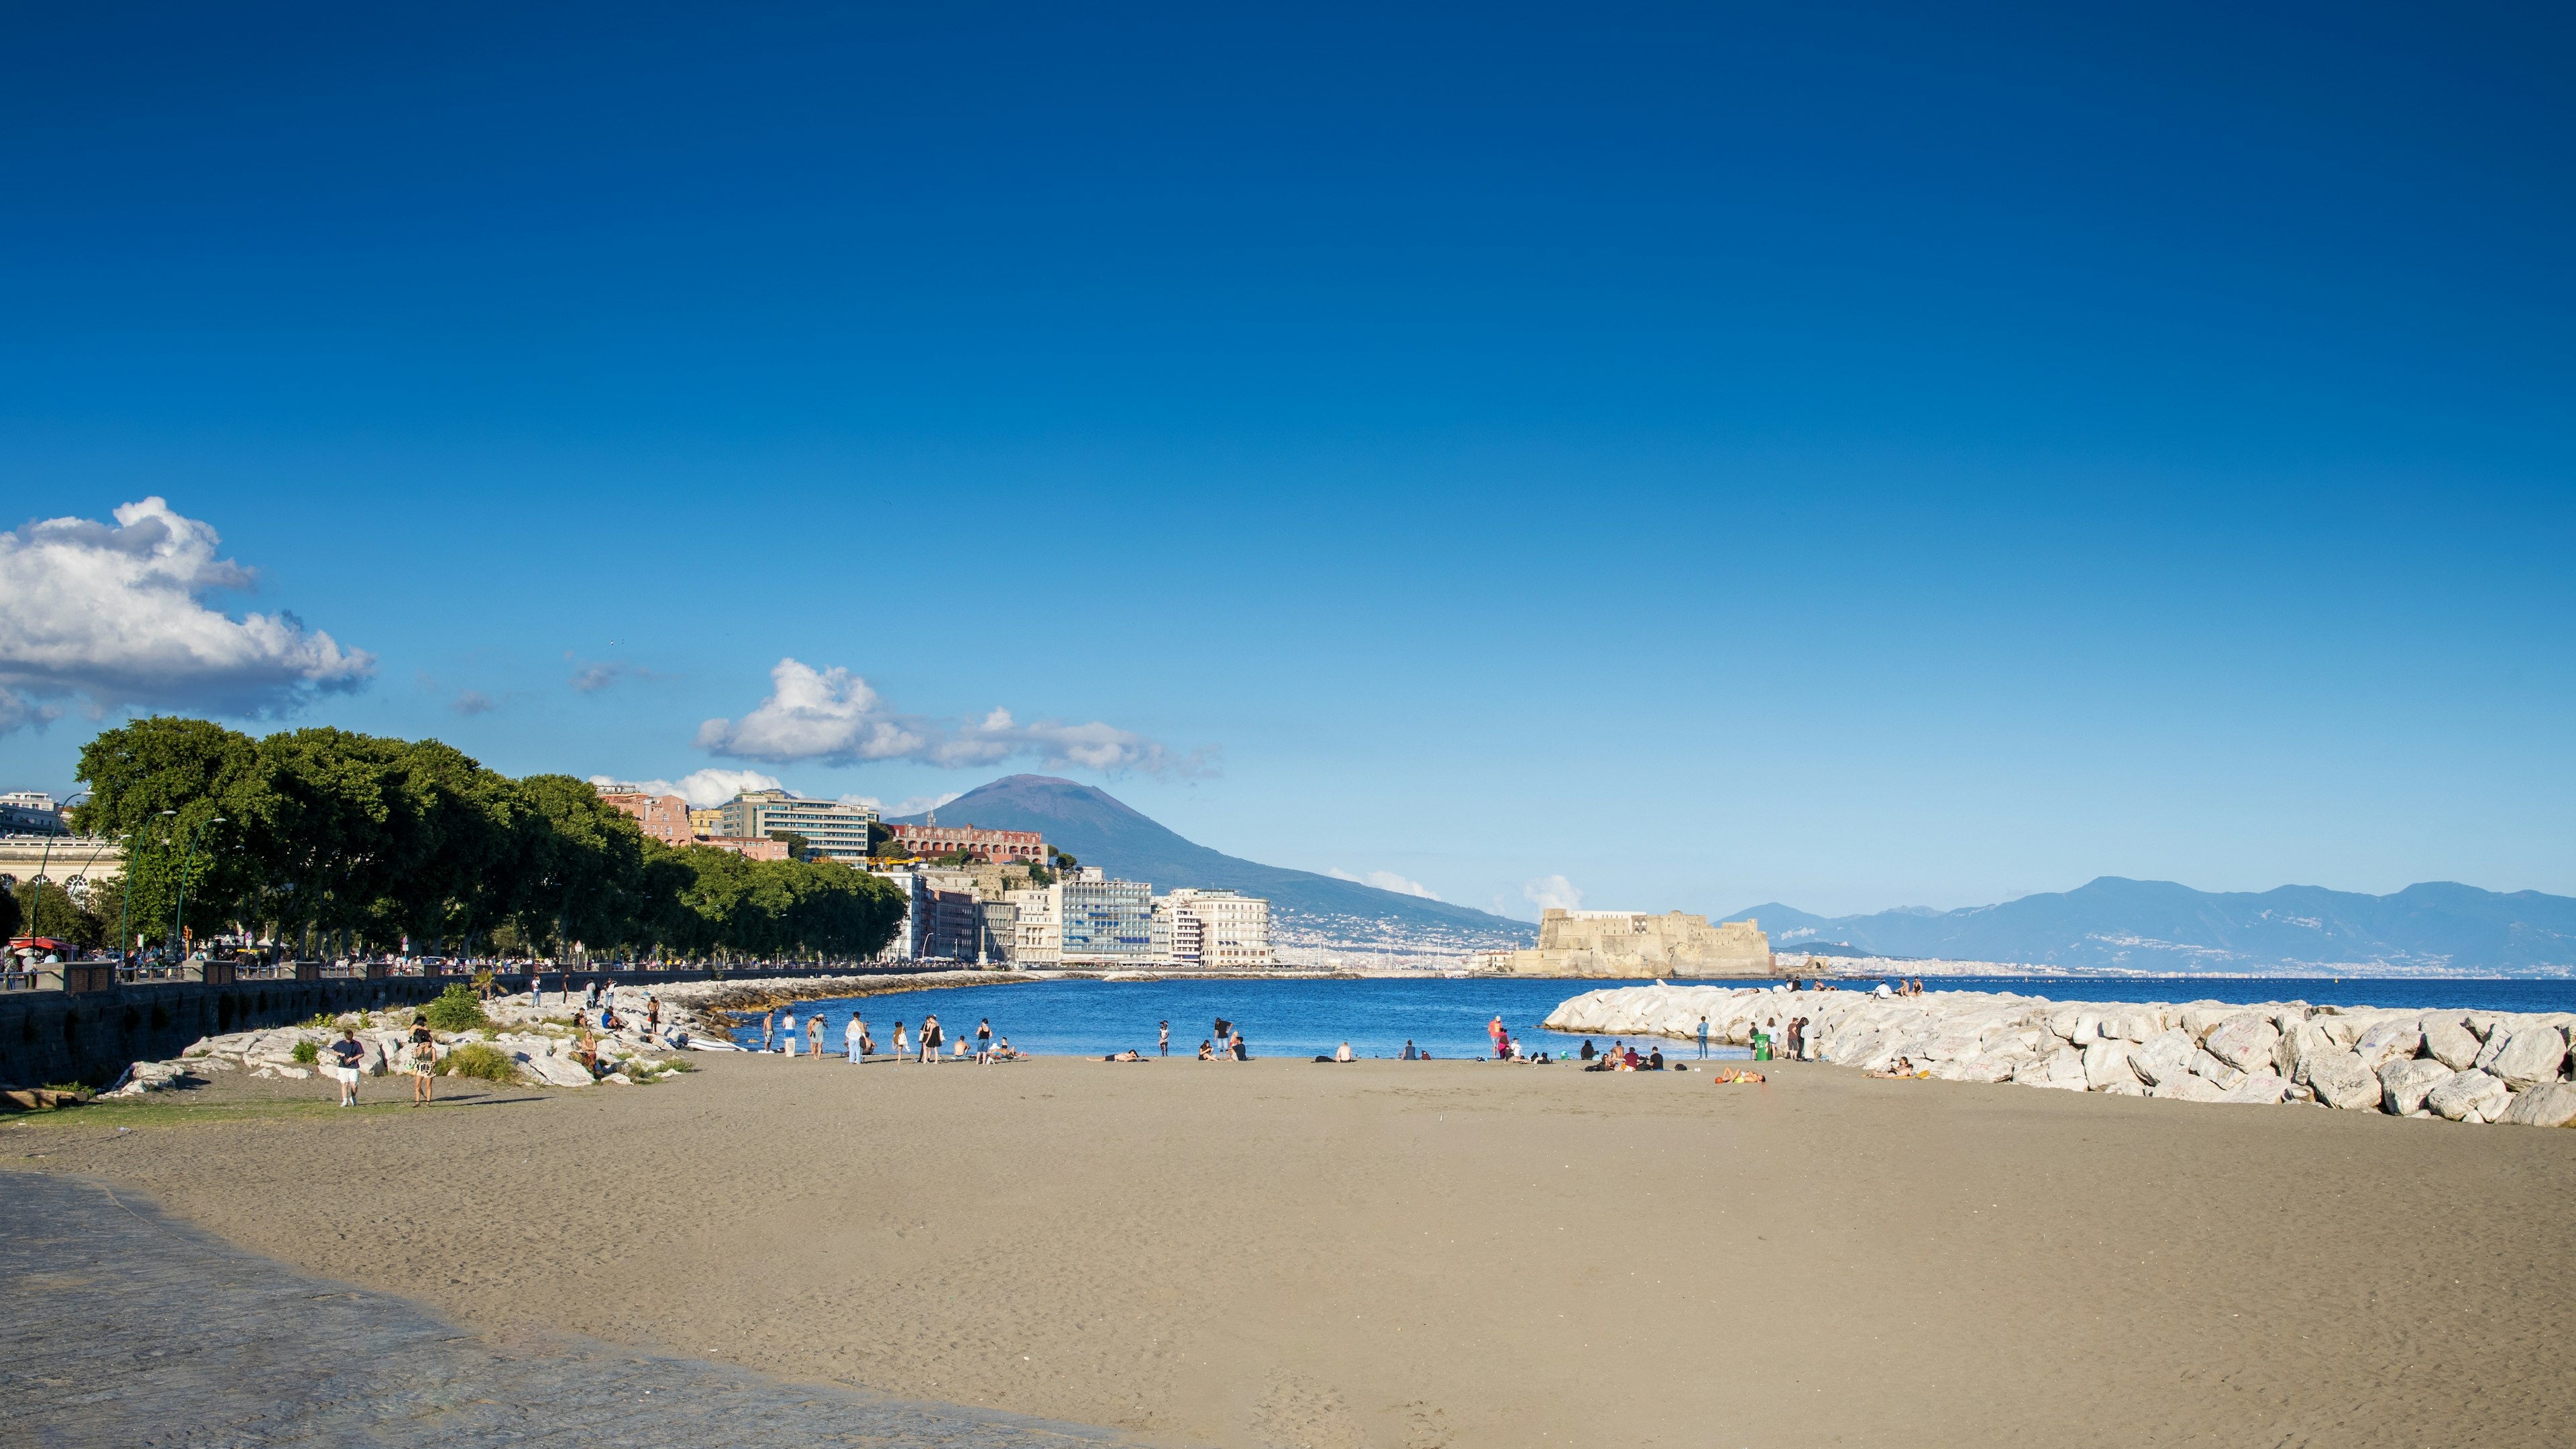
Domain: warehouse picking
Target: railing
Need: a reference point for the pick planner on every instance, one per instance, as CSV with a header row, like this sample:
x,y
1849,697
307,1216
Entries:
x,y
17,981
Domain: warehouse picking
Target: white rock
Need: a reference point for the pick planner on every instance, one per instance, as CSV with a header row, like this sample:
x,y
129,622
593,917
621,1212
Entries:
x,y
2106,1063
2465,1095
2062,1069
2403,1084
2184,1087
2387,1042
2261,1088
2340,1080
2211,1068
2449,1041
2531,1057
554,1071
2168,1053
2244,1042
2551,1104
2297,1045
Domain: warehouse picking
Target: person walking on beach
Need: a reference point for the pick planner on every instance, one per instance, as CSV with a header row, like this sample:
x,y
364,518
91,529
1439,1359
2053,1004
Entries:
x,y
930,1040
1163,1041
1703,1038
345,1056
984,1042
899,1047
850,1032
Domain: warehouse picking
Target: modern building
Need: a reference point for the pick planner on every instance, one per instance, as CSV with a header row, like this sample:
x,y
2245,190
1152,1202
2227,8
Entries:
x,y
1105,922
31,812
1217,929
999,846
940,921
664,817
830,827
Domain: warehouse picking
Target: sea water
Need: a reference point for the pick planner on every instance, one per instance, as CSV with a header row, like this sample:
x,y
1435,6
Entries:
x,y
1448,1017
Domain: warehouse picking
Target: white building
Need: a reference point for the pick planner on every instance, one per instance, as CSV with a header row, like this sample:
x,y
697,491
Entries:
x,y
830,828
1217,929
1037,926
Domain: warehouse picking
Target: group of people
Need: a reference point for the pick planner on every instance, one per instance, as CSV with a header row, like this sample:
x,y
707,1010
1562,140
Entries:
x,y
1619,1058
858,1044
419,1062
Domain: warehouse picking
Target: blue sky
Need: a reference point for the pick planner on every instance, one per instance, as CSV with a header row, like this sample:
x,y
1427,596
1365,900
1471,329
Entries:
x,y
1859,458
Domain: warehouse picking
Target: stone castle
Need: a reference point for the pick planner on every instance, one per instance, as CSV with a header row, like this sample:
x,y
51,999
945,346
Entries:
x,y
1631,943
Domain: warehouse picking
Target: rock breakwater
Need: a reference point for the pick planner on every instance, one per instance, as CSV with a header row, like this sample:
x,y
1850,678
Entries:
x,y
2463,1066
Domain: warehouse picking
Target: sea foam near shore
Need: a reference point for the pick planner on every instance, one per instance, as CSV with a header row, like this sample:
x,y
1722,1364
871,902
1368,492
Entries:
x,y
2464,1066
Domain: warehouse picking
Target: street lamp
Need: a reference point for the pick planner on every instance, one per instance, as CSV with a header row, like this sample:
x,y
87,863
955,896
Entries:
x,y
44,863
179,912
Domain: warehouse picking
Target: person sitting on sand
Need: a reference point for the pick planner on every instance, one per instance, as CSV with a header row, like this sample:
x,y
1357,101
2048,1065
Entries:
x,y
1242,1050
1587,1053
1002,1052
1409,1053
1655,1061
1344,1053
1129,1055
1207,1050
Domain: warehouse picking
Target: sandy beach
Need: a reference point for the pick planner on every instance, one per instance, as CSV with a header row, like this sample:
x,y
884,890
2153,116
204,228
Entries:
x,y
1422,1254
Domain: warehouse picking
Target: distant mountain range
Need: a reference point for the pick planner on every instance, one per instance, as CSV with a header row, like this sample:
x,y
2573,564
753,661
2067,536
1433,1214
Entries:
x,y
2160,927
1098,829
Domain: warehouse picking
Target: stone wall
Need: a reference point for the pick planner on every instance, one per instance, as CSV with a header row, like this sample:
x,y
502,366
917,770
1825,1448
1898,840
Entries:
x,y
2466,1066
1622,943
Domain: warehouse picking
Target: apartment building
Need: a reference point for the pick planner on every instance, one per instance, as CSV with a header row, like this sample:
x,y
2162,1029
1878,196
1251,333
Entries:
x,y
664,817
1105,922
830,827
1217,929
1026,847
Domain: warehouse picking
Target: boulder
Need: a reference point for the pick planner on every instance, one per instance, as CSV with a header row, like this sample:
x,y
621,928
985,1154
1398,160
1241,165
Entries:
x,y
2184,1087
2387,1042
2532,1056
2210,1068
2340,1080
2403,1084
2450,1042
2297,1045
2062,1069
2262,1088
2464,1095
2498,1036
554,1071
2551,1104
1998,1067
2202,1017
2163,1055
2244,1041
2106,1063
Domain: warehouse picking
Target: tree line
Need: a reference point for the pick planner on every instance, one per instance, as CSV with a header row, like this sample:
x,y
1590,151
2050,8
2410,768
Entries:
x,y
342,842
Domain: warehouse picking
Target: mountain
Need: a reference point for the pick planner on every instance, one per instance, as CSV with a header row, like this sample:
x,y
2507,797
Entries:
x,y
1098,829
2160,927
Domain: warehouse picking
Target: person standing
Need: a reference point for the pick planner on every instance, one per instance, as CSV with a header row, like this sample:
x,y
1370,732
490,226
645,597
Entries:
x,y
424,1059
1703,1038
984,1042
1163,1040
899,1047
1224,1035
814,1035
345,1056
653,1014
850,1031
536,986
930,1039
787,1034
768,1030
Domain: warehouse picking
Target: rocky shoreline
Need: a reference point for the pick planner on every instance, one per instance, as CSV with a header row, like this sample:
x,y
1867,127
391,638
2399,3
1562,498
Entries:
x,y
2461,1066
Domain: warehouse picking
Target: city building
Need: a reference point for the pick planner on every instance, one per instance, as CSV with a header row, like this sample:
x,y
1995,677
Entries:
x,y
748,847
1104,922
1038,926
1217,929
998,846
31,812
709,821
941,920
1633,944
830,827
664,817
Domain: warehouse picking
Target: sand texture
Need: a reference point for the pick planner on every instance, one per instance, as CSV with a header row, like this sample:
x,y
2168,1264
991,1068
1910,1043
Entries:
x,y
1421,1254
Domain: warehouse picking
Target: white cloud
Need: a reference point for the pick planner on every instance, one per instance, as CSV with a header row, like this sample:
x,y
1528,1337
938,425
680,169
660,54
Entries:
x,y
703,789
1385,880
1553,892
115,615
832,716
909,805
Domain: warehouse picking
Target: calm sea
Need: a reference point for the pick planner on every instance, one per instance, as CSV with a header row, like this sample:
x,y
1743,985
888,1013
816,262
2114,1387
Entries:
x,y
1447,1017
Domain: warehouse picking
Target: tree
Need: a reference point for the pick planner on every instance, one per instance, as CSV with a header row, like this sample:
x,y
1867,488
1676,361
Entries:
x,y
9,914
46,909
796,844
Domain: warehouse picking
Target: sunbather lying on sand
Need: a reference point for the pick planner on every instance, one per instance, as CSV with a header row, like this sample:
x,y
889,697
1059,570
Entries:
x,y
1904,1068
1129,1055
1725,1077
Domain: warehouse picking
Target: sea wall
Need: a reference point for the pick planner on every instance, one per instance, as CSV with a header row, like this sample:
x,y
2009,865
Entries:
x,y
92,1036
2465,1066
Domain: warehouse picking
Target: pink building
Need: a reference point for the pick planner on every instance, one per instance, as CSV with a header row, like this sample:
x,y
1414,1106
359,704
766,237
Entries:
x,y
664,817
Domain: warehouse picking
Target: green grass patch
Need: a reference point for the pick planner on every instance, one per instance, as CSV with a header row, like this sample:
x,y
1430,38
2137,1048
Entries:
x,y
489,1063
457,1009
306,1053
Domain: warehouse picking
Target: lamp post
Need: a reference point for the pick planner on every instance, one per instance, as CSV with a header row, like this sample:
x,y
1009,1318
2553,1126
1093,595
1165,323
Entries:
x,y
179,912
44,863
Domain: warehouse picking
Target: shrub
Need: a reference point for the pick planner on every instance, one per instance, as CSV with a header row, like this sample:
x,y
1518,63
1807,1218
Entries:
x,y
306,1052
487,1062
457,1010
